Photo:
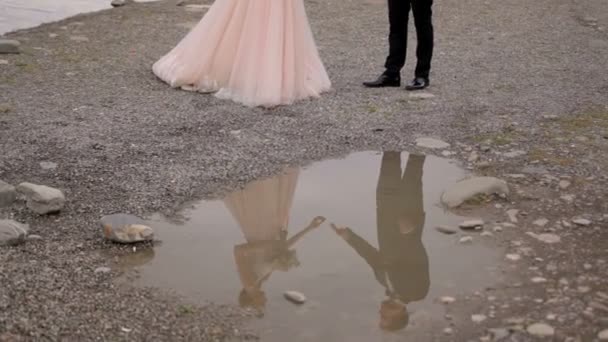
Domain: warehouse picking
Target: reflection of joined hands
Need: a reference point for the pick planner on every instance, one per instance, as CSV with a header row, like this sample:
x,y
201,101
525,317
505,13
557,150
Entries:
x,y
317,222
343,232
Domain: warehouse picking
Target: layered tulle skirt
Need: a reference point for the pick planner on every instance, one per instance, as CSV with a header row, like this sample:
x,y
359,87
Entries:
x,y
256,52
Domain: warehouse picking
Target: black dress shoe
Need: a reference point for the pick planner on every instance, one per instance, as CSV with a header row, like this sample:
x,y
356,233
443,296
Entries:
x,y
418,83
384,81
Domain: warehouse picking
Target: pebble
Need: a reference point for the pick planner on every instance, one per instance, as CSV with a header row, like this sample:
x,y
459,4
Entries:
x,y
471,187
446,230
512,213
540,330
3,62
421,95
118,3
564,184
487,234
125,228
466,240
42,199
541,222
546,237
567,198
478,318
295,297
12,233
497,229
473,157
515,153
103,270
538,280
45,165
447,300
448,331
431,143
471,224
53,35
79,38
581,222
513,257
499,333
34,237
603,335
9,46
8,194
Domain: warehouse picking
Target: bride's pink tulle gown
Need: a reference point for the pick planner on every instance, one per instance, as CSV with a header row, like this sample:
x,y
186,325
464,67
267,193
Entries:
x,y
256,52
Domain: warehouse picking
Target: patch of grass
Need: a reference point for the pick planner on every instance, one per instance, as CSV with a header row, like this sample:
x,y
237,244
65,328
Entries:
x,y
184,310
27,67
543,155
584,121
5,108
372,109
478,199
504,137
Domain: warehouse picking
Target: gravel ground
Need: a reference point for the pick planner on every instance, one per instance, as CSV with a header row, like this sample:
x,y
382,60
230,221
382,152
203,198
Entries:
x,y
510,75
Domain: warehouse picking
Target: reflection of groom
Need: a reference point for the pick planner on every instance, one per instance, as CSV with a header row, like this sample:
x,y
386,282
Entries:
x,y
400,264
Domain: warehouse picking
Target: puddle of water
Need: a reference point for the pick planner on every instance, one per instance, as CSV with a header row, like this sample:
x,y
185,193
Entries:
x,y
21,14
379,280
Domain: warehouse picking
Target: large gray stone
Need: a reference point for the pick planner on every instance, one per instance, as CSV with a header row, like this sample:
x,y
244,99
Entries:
x,y
469,188
431,143
9,46
12,233
42,199
125,228
8,194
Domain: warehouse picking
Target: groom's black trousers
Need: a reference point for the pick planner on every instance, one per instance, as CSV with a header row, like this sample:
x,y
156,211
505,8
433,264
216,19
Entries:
x,y
398,14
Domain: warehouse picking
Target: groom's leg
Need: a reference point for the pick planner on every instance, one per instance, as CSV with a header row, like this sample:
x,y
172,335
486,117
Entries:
x,y
423,13
398,13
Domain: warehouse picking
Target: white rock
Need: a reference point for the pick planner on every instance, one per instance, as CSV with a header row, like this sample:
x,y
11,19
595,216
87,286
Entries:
x,y
540,330
487,234
295,297
538,280
79,39
12,233
546,237
466,240
124,228
567,198
42,199
34,237
447,300
473,157
541,222
551,317
513,257
45,165
564,184
53,35
469,188
471,224
581,222
8,194
3,62
103,270
478,318
431,143
603,335
497,229
446,230
512,213
448,331
447,153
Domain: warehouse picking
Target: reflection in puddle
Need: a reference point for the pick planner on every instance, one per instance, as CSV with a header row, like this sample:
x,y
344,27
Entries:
x,y
354,235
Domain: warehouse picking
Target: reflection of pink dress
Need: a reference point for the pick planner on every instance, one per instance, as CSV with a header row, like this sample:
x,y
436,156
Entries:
x,y
262,207
256,52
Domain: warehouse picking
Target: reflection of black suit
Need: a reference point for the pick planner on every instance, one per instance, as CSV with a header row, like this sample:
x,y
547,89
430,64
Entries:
x,y
400,264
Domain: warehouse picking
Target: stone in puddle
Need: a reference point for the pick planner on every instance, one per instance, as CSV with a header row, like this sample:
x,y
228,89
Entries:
x,y
119,3
581,222
8,194
466,240
42,199
125,228
9,46
446,230
469,188
431,143
295,297
12,233
471,224
540,330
